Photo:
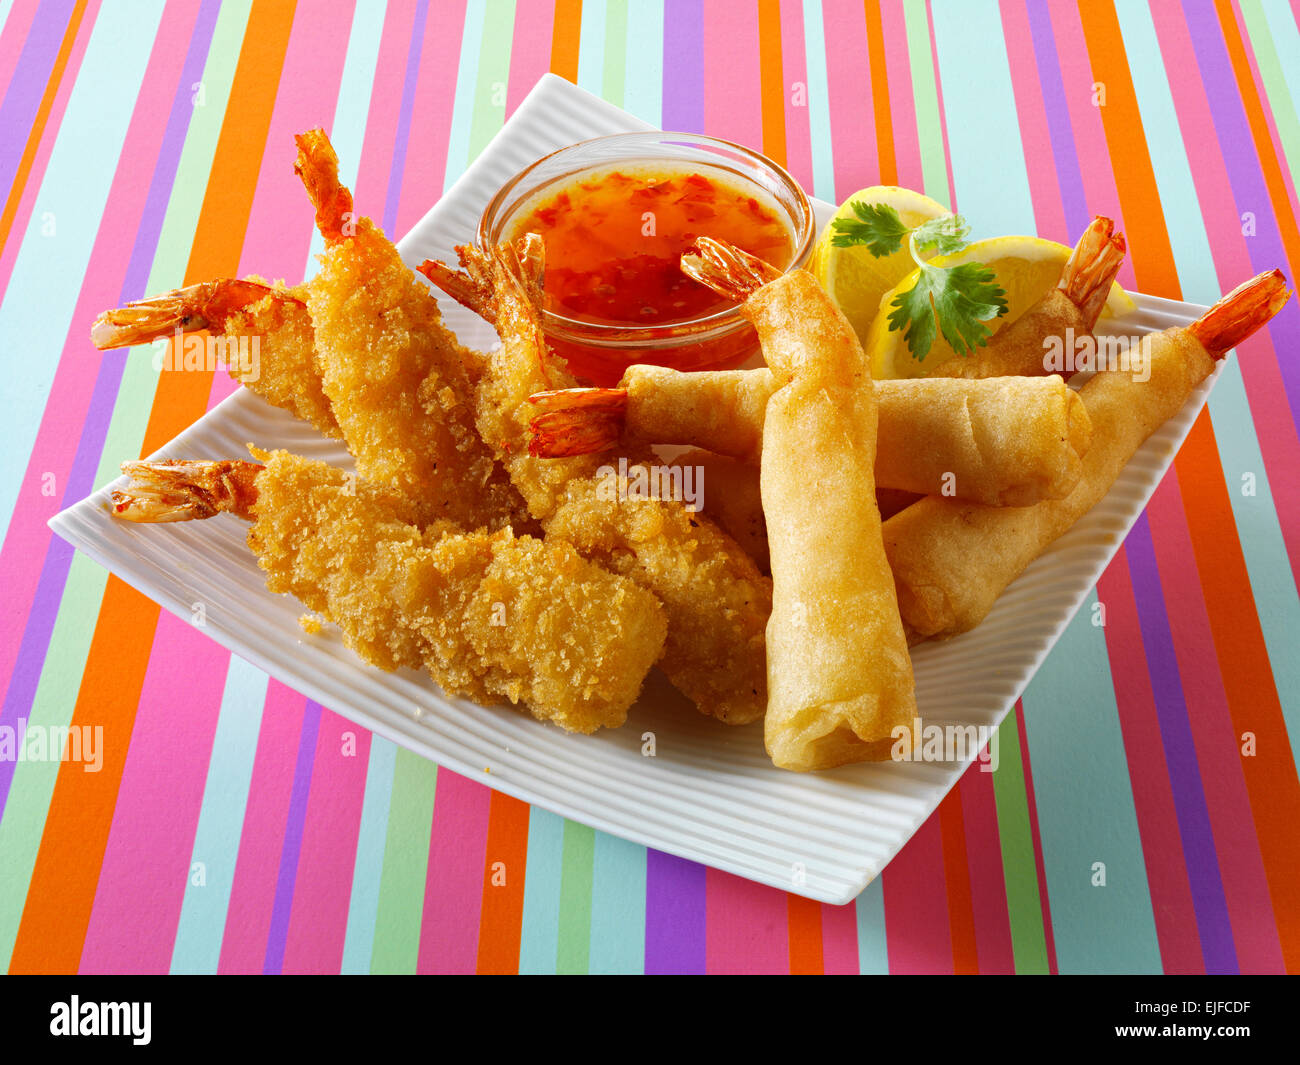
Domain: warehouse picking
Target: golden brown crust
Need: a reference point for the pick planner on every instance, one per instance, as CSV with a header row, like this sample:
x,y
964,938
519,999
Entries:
x,y
489,615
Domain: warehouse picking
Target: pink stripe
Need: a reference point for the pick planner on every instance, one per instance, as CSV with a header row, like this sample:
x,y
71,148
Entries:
x,y
848,79
988,887
746,926
798,133
1093,153
1153,798
840,940
13,37
435,97
280,221
453,887
1260,368
323,886
261,840
902,105
146,861
371,190
530,49
733,88
1040,162
1245,884
23,216
70,395
916,905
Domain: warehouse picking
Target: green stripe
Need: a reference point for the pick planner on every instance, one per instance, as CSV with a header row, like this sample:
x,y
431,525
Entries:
x,y
1019,870
573,952
32,785
493,76
925,94
1275,87
406,863
615,54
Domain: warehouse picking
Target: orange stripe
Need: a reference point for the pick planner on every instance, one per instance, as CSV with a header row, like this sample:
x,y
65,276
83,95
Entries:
x,y
1135,179
1264,146
888,162
773,79
38,126
1270,776
182,395
502,913
62,888
956,876
565,33
804,922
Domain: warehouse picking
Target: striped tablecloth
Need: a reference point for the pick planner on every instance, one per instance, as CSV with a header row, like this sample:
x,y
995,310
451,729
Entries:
x,y
228,826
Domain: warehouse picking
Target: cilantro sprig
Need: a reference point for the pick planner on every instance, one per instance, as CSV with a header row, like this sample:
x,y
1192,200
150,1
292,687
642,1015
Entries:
x,y
956,301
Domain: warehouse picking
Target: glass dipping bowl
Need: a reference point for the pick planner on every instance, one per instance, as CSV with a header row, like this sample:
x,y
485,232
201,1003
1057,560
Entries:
x,y
600,351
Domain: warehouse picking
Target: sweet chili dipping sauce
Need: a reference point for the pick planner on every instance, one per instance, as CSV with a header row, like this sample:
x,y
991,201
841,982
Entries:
x,y
614,241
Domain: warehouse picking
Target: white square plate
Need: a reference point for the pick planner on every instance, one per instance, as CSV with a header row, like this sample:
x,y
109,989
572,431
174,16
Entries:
x,y
709,793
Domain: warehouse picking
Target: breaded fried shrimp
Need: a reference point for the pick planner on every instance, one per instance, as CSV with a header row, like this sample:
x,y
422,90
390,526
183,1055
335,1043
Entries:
x,y
490,616
284,372
716,600
400,383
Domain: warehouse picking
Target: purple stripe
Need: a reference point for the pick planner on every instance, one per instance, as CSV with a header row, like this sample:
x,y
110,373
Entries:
x,y
278,933
404,118
674,914
1068,175
683,77
80,482
1241,158
1202,861
31,76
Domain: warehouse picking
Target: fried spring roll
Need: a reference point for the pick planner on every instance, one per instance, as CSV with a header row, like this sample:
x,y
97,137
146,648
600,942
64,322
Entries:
x,y
1006,441
838,671
951,560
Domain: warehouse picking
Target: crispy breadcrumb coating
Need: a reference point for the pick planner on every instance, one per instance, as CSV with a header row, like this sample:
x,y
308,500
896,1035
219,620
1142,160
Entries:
x,y
489,615
400,384
716,600
286,374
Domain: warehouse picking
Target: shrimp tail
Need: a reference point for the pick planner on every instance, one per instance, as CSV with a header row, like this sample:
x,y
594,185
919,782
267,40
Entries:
x,y
1242,311
202,306
318,167
726,269
576,421
1092,267
502,286
183,490
471,286
474,285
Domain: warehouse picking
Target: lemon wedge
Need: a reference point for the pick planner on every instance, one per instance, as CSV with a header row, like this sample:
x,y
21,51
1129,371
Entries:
x,y
1027,268
853,277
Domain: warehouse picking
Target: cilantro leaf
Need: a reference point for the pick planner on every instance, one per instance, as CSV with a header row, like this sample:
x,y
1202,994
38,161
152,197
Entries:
x,y
943,236
877,226
957,301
